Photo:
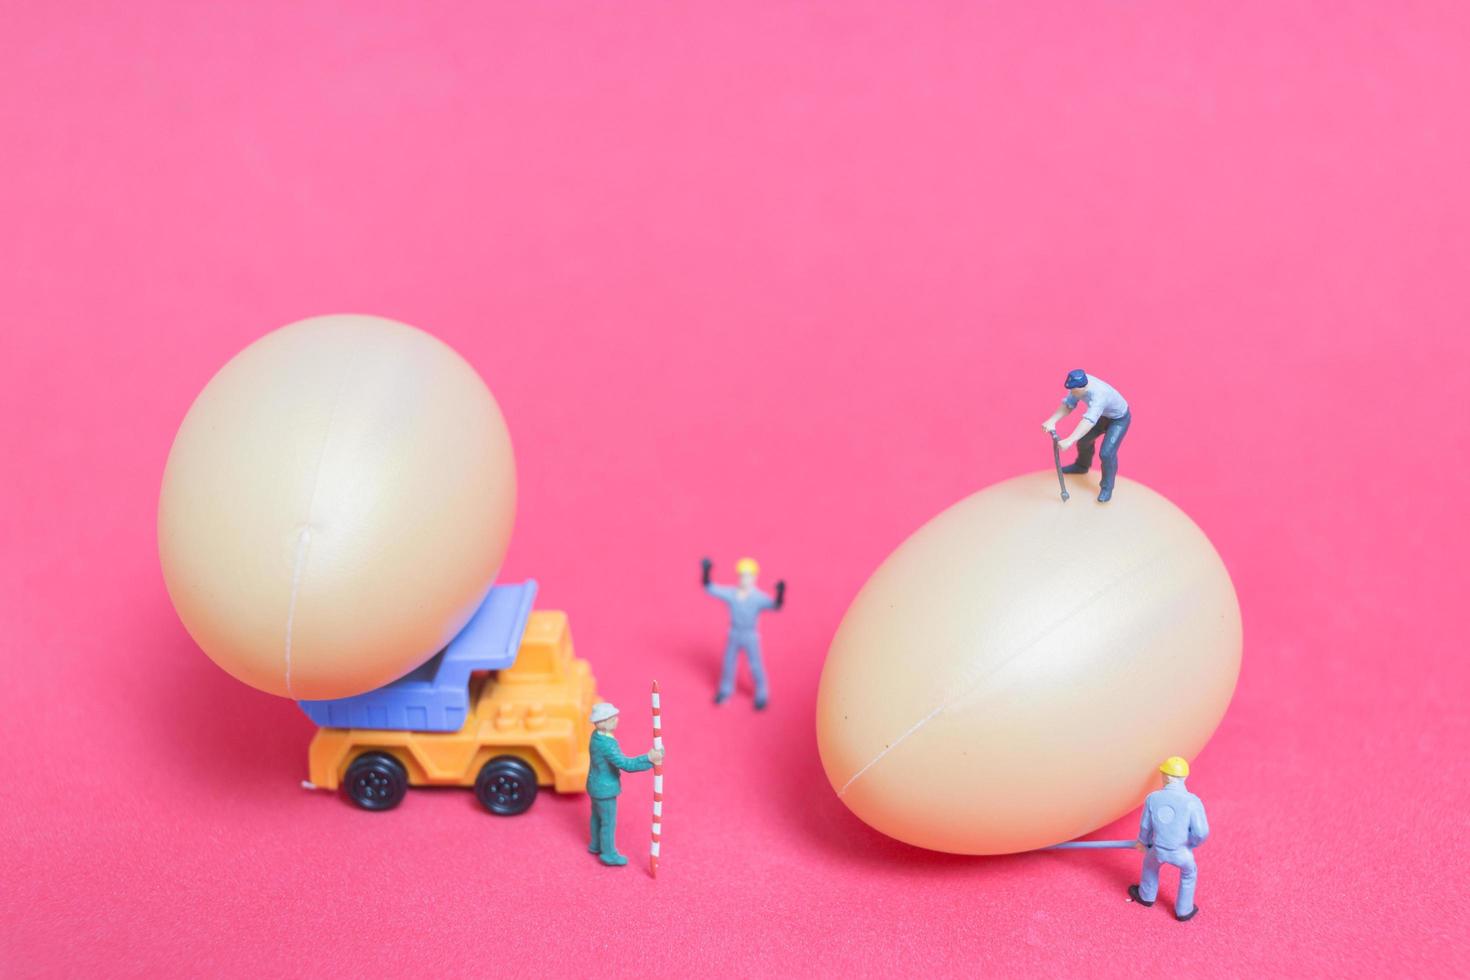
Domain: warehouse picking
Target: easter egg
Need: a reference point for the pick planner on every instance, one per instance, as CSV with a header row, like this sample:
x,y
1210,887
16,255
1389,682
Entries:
x,y
1014,673
336,504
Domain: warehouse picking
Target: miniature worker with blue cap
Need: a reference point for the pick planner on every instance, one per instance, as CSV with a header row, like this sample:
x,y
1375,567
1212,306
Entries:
x,y
605,781
746,602
1107,416
1173,825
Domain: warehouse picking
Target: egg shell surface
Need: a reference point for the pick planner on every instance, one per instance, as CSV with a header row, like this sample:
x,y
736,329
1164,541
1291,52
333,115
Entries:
x,y
337,502
1014,673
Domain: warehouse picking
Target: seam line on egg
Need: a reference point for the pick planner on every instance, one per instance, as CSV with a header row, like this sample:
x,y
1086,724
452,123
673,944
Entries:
x,y
874,761
973,683
303,540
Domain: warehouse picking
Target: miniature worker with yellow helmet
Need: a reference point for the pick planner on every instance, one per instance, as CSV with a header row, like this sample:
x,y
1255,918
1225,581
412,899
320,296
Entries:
x,y
1173,825
746,602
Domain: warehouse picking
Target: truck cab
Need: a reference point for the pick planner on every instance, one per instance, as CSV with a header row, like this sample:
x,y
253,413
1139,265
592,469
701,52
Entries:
x,y
503,708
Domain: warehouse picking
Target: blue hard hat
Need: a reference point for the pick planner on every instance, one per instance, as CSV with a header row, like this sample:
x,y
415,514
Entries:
x,y
1076,379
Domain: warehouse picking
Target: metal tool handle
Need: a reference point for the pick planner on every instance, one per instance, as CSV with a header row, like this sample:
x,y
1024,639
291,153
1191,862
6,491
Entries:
x,y
1056,458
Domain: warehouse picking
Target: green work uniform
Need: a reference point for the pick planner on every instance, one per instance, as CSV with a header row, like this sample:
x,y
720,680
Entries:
x,y
604,783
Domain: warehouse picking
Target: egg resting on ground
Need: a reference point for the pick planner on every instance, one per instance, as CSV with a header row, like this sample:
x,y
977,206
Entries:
x,y
337,502
1013,674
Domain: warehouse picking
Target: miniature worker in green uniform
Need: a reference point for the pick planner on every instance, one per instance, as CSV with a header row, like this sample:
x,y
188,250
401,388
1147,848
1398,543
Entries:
x,y
605,781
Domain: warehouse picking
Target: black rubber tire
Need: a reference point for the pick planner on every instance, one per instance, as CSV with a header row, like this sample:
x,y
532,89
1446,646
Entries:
x,y
376,781
506,786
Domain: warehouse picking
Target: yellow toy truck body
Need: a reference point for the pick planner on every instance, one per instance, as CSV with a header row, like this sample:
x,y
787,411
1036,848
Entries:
x,y
528,727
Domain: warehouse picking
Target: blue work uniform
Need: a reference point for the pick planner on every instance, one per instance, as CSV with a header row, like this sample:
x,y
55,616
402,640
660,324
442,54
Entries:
x,y
744,610
1173,824
1110,416
604,782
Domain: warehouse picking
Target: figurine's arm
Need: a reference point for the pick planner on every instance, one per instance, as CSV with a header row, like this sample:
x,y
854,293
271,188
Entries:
x,y
1082,429
780,595
720,592
1199,827
636,763
1068,403
1146,829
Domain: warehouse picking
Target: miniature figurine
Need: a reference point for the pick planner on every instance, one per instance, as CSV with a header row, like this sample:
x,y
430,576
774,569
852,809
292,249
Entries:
x,y
1107,415
746,603
1173,825
605,781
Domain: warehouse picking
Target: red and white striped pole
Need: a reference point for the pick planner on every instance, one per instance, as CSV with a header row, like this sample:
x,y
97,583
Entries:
x,y
658,788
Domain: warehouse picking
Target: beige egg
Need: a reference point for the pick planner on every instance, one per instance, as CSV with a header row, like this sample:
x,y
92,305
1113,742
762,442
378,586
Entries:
x,y
1014,673
336,504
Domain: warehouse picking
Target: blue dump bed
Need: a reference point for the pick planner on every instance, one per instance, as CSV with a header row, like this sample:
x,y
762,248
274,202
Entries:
x,y
436,696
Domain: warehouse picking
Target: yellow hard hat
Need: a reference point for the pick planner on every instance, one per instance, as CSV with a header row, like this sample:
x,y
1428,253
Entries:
x,y
1175,766
747,566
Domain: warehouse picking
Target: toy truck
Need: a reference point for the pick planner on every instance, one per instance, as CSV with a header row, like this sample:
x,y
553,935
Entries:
x,y
503,708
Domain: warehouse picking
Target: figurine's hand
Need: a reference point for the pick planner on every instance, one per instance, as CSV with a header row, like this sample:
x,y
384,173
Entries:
x,y
1064,444
1138,846
1049,426
656,756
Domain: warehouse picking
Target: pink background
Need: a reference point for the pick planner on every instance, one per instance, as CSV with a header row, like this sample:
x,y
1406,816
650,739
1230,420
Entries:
x,y
770,277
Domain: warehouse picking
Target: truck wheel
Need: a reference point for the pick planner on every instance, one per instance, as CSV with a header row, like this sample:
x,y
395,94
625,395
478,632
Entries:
x,y
506,786
376,781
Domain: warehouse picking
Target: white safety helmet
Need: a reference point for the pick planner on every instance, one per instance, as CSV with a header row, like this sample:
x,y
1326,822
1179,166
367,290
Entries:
x,y
602,711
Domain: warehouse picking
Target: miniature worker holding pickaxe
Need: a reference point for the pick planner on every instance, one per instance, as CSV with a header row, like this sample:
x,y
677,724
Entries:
x,y
1107,416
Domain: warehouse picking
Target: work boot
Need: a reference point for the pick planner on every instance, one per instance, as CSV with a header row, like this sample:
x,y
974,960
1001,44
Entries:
x,y
1188,915
1133,894
1075,468
721,697
612,860
760,703
1104,495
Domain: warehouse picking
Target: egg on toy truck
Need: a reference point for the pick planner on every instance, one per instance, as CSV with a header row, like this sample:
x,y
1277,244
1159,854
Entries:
x,y
503,708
